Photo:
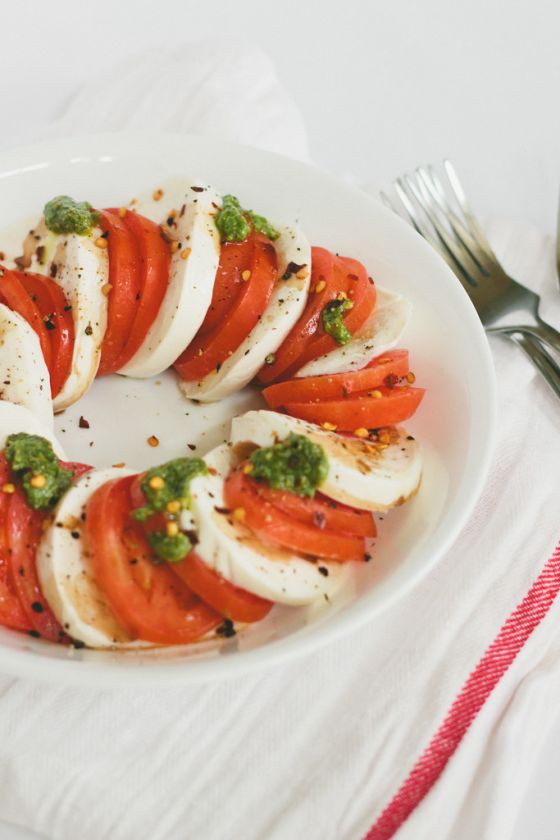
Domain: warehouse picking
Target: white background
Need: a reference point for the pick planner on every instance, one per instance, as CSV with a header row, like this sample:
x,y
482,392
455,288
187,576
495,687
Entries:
x,y
383,86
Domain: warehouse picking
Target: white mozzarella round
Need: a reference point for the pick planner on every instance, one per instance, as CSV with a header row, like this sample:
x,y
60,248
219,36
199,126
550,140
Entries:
x,y
81,269
66,574
380,333
191,280
24,376
236,554
360,474
17,418
286,304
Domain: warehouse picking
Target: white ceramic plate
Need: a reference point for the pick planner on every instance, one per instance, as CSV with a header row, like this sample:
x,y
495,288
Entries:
x,y
448,350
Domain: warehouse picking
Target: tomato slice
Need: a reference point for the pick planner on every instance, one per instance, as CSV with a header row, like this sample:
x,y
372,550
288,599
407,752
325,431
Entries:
x,y
150,600
154,258
11,611
14,295
338,385
231,601
235,258
57,318
307,340
359,288
272,525
361,410
124,278
24,530
322,271
211,347
320,511
77,468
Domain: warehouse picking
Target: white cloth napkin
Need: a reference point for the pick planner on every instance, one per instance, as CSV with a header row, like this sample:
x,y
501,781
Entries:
x,y
314,749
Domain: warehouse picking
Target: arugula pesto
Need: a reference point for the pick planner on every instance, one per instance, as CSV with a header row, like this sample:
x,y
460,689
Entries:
x,y
36,468
332,316
65,215
166,489
295,464
234,223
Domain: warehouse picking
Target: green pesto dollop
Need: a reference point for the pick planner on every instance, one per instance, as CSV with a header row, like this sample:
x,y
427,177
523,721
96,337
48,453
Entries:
x,y
31,456
65,215
295,464
234,223
332,316
176,476
170,549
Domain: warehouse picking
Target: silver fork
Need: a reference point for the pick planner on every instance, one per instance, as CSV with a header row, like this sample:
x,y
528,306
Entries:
x,y
456,234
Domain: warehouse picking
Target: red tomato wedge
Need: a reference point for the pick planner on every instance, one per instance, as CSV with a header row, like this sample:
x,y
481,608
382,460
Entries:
x,y
154,258
14,295
57,318
24,530
211,348
124,279
352,280
150,600
361,410
272,525
322,271
235,258
230,601
333,276
339,385
11,611
320,512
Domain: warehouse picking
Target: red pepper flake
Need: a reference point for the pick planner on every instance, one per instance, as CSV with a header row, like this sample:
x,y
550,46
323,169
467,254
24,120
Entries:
x,y
391,380
319,519
83,423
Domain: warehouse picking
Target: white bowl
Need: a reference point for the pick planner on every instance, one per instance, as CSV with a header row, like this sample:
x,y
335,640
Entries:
x,y
448,349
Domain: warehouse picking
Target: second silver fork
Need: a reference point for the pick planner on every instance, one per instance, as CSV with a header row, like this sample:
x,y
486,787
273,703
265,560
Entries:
x,y
455,233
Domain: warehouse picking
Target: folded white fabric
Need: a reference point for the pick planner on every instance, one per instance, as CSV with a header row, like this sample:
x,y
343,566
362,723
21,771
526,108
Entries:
x,y
220,90
314,749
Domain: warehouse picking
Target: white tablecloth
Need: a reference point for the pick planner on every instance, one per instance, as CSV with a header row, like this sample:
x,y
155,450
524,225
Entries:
x,y
317,748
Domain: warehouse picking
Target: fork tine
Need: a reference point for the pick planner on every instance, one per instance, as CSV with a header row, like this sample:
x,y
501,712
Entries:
x,y
412,213
412,219
437,192
387,201
461,257
461,198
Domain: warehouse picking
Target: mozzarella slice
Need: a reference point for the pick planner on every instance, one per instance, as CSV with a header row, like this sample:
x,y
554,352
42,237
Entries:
x,y
286,304
191,280
380,332
235,553
81,269
360,474
66,574
17,418
24,376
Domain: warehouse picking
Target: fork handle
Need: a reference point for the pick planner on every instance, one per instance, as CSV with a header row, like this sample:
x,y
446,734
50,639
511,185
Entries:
x,y
548,334
541,330
541,359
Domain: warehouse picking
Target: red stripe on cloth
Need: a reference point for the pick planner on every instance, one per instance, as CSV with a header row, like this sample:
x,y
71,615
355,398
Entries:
x,y
480,684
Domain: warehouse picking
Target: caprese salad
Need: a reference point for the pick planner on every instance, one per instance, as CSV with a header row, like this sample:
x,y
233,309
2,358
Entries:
x,y
195,547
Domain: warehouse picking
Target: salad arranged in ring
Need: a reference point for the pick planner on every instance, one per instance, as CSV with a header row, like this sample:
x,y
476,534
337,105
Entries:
x,y
196,547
